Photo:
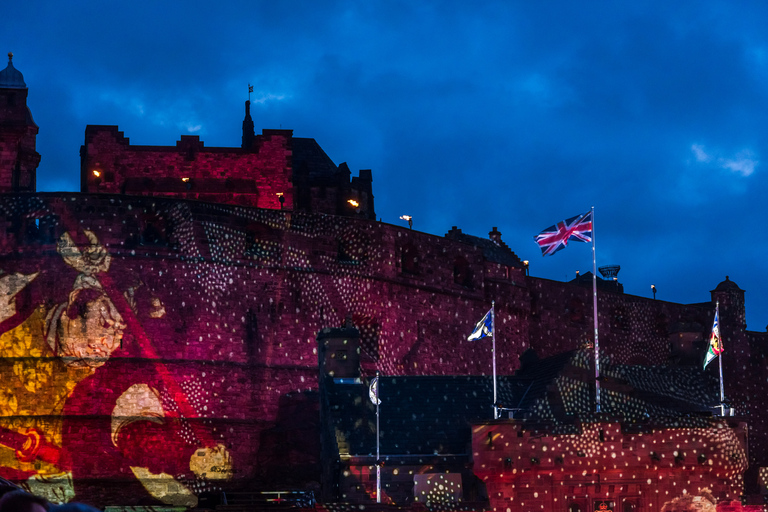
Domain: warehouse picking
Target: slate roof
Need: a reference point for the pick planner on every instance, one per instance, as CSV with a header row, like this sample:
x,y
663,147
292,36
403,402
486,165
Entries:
x,y
11,78
419,415
308,152
429,417
492,251
609,285
563,393
727,286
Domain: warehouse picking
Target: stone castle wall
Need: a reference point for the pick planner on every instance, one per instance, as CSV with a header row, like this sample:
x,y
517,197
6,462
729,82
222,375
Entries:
x,y
218,308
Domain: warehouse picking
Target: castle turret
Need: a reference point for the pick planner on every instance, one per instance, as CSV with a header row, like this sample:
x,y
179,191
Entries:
x,y
731,298
18,132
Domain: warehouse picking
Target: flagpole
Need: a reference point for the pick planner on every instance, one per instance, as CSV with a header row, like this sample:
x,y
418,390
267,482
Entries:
x,y
594,307
378,462
493,336
720,359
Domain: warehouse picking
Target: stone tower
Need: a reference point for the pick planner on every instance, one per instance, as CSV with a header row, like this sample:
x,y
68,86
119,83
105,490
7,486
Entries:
x,y
18,132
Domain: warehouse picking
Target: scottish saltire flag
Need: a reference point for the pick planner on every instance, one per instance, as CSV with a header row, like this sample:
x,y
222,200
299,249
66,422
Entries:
x,y
556,237
483,328
715,341
373,391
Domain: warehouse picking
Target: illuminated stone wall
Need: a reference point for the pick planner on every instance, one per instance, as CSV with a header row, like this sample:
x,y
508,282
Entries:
x,y
110,164
629,470
155,348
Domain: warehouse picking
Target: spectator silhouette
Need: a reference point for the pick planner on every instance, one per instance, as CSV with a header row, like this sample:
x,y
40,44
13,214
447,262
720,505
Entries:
x,y
22,501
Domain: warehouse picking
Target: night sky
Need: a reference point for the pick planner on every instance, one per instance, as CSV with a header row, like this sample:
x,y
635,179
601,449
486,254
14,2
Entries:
x,y
508,114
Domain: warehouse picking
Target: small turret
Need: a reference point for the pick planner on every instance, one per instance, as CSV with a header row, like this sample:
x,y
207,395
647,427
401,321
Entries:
x,y
18,134
732,308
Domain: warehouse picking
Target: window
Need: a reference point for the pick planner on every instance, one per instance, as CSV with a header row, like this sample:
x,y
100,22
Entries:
x,y
409,259
462,274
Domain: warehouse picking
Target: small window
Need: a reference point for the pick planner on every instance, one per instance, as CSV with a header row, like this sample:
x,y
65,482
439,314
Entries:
x,y
409,259
462,274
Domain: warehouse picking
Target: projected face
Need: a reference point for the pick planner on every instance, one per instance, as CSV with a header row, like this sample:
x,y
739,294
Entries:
x,y
89,331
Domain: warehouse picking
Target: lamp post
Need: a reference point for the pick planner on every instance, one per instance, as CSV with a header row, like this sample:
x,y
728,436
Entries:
x,y
409,218
653,289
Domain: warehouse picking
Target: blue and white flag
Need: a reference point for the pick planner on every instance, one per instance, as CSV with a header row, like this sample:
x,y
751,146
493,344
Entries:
x,y
483,328
373,391
715,340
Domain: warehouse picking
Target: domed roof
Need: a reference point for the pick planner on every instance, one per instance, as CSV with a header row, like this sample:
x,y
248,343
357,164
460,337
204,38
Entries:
x,y
727,286
10,77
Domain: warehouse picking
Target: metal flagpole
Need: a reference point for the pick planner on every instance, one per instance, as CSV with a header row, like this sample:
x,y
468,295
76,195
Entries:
x,y
493,335
720,358
594,307
378,461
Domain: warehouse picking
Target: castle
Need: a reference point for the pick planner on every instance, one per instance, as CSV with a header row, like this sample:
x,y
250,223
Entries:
x,y
162,331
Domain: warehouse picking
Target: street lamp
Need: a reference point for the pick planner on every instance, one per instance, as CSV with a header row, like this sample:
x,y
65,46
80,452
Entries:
x,y
653,289
409,218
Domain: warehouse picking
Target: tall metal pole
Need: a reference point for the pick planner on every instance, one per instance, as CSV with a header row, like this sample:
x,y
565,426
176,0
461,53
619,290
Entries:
x,y
493,349
594,307
720,358
378,461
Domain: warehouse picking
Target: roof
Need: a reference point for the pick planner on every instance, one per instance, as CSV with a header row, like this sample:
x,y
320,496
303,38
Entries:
x,y
495,251
608,285
727,286
10,77
425,417
307,152
419,415
564,392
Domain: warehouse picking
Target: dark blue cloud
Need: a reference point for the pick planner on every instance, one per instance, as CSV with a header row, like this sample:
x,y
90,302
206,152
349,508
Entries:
x,y
503,114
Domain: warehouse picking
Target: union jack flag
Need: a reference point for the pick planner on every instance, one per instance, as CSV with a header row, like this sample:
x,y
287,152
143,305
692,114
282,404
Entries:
x,y
556,237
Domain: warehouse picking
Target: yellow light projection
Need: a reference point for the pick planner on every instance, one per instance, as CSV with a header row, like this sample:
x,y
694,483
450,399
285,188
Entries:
x,y
58,346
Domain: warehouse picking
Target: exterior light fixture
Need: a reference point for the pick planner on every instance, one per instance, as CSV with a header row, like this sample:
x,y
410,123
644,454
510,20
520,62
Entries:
x,y
354,203
185,180
408,218
653,289
525,265
96,173
281,198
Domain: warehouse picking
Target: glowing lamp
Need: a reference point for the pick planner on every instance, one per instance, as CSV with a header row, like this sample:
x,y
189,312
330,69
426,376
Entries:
x,y
409,219
96,173
185,180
